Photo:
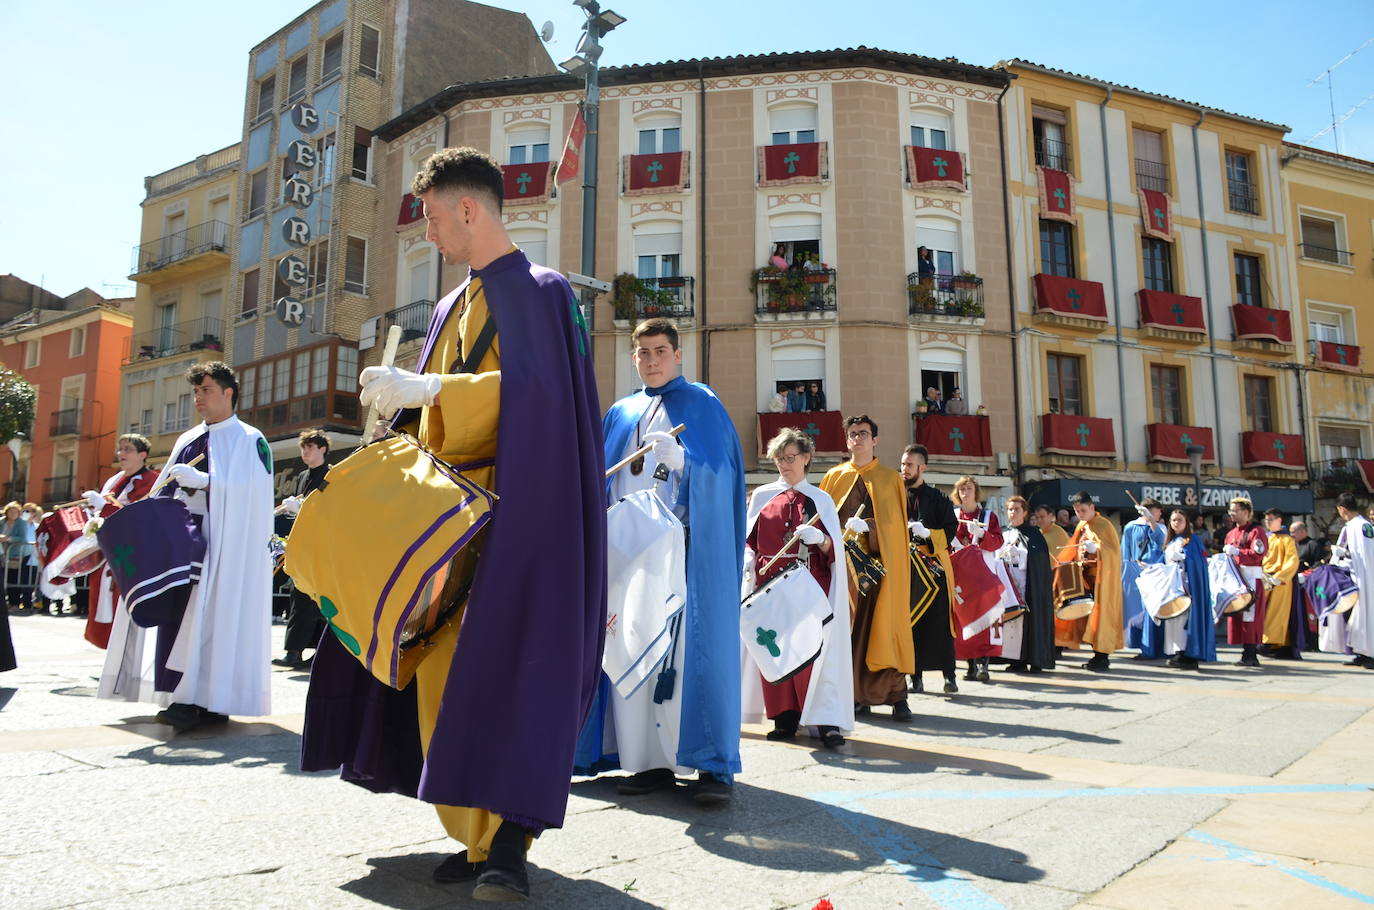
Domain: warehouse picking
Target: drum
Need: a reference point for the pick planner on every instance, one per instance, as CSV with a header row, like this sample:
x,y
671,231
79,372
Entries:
x,y
1230,593
782,624
387,547
978,593
646,586
155,552
1163,590
1074,584
63,550
1347,594
1011,629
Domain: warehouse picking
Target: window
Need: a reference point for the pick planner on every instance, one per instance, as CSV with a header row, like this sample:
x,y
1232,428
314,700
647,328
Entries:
x,y
147,426
666,265
319,369
658,254
930,130
528,146
173,244
1326,327
1066,390
265,386
31,349
1151,173
1339,442
166,325
941,237
1248,282
1056,248
1240,188
248,385
257,193
302,367
792,125
1166,391
317,262
324,155
362,154
660,140
333,58
295,85
281,390
1049,131
77,345
1157,257
418,276
346,370
1259,410
369,52
355,266
1321,240
267,94
250,293
280,288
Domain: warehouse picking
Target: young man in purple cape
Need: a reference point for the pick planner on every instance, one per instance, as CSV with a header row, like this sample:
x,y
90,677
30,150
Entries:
x,y
486,732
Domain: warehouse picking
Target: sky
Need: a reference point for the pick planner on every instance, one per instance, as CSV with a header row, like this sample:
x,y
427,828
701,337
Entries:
x,y
99,95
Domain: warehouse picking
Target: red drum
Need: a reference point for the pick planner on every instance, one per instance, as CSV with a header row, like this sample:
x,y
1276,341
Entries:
x,y
60,546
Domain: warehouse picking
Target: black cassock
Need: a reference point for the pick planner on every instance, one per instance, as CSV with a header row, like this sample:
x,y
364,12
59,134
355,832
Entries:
x,y
1038,636
930,630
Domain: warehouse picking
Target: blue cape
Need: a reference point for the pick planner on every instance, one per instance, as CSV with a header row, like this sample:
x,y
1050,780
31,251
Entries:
x,y
713,490
1137,543
1202,634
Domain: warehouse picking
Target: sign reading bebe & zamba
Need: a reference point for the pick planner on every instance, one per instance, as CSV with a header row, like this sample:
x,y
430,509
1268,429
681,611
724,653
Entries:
x,y
1108,494
297,192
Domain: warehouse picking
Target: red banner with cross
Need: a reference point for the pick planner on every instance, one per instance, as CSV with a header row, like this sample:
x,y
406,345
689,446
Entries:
x,y
527,184
1262,323
1154,215
1070,296
1338,356
1056,194
570,162
1272,450
648,174
955,437
1366,468
1170,441
826,429
1176,312
935,167
412,210
1071,435
800,162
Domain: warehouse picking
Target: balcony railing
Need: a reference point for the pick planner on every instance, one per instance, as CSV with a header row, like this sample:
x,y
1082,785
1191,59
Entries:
x,y
17,491
944,295
671,298
202,334
1242,197
1339,475
173,248
1325,254
794,291
413,318
66,422
1152,175
58,489
1052,153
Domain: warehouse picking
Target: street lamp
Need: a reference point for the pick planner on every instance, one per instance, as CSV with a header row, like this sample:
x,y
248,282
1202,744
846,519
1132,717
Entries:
x,y
584,63
1195,453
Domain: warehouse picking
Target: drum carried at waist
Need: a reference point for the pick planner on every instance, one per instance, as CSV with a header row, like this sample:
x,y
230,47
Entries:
x,y
1074,583
646,586
387,547
1163,591
155,551
1231,593
62,549
782,624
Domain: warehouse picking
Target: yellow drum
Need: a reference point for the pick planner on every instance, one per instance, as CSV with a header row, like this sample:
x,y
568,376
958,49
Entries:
x,y
387,547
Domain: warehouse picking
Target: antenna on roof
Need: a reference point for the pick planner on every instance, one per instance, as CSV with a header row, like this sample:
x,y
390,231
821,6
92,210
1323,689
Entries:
x,y
1331,96
546,31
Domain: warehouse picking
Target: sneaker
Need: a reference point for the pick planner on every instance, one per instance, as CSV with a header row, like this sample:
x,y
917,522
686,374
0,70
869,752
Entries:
x,y
646,782
710,790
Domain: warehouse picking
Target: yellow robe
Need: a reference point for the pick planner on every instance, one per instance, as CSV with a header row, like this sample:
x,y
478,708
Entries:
x,y
1281,561
1104,632
461,427
890,645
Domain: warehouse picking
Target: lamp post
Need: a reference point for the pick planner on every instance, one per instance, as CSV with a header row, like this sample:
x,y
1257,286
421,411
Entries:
x,y
585,63
1195,453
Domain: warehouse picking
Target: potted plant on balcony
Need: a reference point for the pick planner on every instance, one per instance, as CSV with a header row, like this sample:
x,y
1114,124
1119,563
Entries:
x,y
623,296
965,280
785,289
922,297
815,271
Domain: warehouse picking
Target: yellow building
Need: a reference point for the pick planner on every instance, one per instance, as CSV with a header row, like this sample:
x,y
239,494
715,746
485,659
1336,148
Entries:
x,y
181,266
1152,302
1331,211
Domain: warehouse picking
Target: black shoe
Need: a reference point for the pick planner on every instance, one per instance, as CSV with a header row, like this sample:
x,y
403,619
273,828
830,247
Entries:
x,y
1186,663
187,719
1032,668
1249,660
504,877
213,717
1019,666
862,710
972,674
831,737
951,686
1098,663
901,711
782,734
710,790
457,869
1175,661
306,664
1268,650
983,673
1359,660
916,684
292,660
177,714
646,782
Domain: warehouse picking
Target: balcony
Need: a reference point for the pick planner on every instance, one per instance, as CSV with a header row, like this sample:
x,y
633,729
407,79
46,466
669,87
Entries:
x,y
1053,154
1333,356
953,299
1263,329
825,429
798,162
17,490
794,294
1168,443
1242,197
175,254
1272,452
1340,475
413,318
670,298
1069,302
1152,175
1086,441
58,489
1314,253
1166,316
202,334
951,438
66,422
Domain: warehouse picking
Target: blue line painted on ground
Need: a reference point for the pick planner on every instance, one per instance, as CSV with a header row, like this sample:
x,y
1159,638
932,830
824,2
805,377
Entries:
x,y
1237,853
840,797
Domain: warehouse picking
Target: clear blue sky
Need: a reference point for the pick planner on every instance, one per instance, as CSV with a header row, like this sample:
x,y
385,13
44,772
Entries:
x,y
98,95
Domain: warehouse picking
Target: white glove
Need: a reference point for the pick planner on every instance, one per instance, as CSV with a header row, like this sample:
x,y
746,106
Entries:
x,y
956,545
392,388
1274,580
1231,550
811,535
666,450
856,525
1089,545
1176,555
94,500
1340,553
918,529
188,477
291,505
1005,552
1143,512
977,532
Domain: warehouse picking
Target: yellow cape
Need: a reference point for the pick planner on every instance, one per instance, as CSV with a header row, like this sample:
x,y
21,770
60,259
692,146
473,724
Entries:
x,y
1281,561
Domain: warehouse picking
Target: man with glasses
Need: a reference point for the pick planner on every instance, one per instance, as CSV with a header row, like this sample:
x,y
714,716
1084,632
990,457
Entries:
x,y
932,525
1247,544
883,650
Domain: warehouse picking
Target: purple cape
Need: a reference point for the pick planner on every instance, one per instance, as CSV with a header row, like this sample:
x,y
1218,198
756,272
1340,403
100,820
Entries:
x,y
529,650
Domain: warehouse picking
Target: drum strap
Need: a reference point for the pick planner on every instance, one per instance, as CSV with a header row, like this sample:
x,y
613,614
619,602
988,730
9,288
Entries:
x,y
473,359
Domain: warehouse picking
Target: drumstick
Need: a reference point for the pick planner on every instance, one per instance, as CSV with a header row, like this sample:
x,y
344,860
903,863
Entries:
x,y
641,451
166,479
791,541
393,341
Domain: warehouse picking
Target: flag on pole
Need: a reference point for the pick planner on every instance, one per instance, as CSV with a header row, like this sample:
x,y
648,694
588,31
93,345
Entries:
x,y
570,165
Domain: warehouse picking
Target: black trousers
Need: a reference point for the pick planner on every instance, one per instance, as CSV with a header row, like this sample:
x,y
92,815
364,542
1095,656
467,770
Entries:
x,y
304,624
19,585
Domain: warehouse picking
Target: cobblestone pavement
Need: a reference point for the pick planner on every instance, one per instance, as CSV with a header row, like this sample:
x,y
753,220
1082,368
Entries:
x,y
1144,788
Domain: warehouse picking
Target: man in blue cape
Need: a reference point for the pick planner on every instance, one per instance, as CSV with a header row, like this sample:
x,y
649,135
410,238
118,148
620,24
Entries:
x,y
687,714
487,729
1142,544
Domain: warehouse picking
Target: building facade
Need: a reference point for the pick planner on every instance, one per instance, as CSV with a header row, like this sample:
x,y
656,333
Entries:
x,y
1153,300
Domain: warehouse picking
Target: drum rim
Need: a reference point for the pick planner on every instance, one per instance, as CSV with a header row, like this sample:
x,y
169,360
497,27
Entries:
x,y
1184,609
1076,602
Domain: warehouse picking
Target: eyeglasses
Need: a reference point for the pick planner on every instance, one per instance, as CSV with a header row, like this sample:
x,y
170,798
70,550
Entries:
x,y
860,434
785,459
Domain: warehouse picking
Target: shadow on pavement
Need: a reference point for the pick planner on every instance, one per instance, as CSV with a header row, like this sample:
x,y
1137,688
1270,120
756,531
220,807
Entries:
x,y
964,727
993,701
888,758
5,695
245,745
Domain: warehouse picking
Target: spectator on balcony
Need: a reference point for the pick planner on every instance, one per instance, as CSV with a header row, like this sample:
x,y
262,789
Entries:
x,y
925,266
779,258
933,403
957,406
815,397
16,536
778,403
796,398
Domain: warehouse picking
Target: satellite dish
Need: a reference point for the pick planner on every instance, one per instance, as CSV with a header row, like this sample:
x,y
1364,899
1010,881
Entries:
x,y
546,31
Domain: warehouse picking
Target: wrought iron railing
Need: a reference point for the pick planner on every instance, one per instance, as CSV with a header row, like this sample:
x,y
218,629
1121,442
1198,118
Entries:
x,y
58,489
173,248
794,291
203,334
66,422
944,295
413,318
673,298
1242,197
1330,478
1325,254
16,491
1052,153
1152,175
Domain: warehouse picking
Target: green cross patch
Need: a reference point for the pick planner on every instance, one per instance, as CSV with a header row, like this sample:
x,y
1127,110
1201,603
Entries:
x,y
329,611
1368,530
265,454
123,559
768,638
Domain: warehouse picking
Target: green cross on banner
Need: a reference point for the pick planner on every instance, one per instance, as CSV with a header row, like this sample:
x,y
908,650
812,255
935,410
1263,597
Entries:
x,y
812,430
1060,196
1273,318
940,165
1340,352
1185,439
956,434
1074,297
1159,219
1280,447
415,207
524,181
124,558
791,160
768,638
654,167
1083,434
1177,310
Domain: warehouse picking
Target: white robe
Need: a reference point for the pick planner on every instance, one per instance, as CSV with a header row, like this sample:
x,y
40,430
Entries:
x,y
830,696
1358,538
223,646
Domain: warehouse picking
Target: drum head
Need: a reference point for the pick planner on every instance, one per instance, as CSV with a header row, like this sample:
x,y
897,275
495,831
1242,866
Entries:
x,y
782,624
1240,603
1176,607
1078,608
1347,602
